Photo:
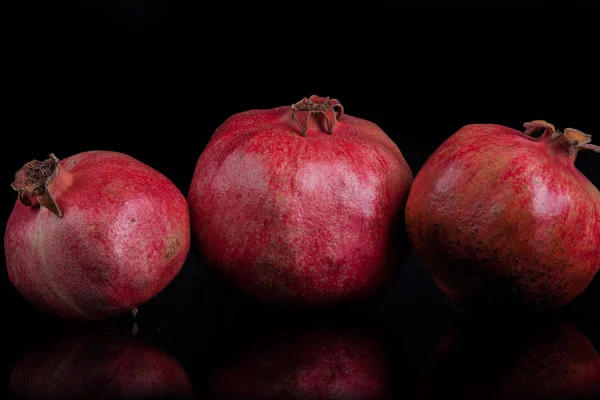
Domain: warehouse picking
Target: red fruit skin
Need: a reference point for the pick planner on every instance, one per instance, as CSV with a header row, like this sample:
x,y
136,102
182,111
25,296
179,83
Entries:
x,y
505,220
556,362
310,363
300,220
98,365
124,235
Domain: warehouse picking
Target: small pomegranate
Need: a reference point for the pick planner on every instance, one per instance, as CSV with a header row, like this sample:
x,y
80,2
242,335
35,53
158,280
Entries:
x,y
528,361
300,204
103,364
503,219
94,235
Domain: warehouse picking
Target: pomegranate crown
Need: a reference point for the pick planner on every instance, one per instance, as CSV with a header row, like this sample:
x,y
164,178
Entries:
x,y
313,106
572,140
32,181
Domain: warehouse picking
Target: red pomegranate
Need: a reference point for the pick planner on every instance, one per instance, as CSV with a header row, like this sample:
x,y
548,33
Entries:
x,y
308,362
300,204
94,235
104,364
505,220
551,360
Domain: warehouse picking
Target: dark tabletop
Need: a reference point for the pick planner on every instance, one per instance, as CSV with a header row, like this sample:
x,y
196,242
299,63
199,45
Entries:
x,y
431,349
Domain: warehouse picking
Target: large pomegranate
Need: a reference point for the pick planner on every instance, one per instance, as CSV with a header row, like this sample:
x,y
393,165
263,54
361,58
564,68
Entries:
x,y
300,204
506,360
94,235
505,220
102,364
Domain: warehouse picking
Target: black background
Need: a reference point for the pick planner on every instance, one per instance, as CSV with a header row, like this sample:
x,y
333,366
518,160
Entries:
x,y
155,80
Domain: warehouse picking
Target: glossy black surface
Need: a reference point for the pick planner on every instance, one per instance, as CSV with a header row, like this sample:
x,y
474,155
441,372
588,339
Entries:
x,y
210,328
154,80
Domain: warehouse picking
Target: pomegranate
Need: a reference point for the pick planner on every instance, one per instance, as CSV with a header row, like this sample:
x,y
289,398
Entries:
x,y
547,360
94,235
103,364
300,204
306,361
505,220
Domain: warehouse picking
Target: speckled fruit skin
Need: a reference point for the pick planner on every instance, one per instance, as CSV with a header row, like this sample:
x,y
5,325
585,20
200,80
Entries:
x,y
105,364
303,220
503,219
315,362
518,362
124,235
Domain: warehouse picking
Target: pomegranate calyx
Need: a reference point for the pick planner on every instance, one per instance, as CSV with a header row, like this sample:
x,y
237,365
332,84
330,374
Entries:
x,y
572,140
313,106
549,129
32,181
576,140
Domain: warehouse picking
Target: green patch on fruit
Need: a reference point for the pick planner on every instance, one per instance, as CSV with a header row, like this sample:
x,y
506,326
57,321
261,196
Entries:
x,y
171,246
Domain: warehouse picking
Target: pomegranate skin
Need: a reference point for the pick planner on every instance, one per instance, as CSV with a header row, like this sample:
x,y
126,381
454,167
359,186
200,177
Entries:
x,y
123,236
506,220
104,364
311,219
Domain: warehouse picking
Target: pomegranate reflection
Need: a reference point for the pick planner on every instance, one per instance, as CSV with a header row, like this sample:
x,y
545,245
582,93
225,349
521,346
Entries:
x,y
549,360
316,362
106,364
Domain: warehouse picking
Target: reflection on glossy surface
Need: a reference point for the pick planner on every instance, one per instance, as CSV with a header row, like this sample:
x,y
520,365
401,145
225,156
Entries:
x,y
521,360
101,364
314,361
